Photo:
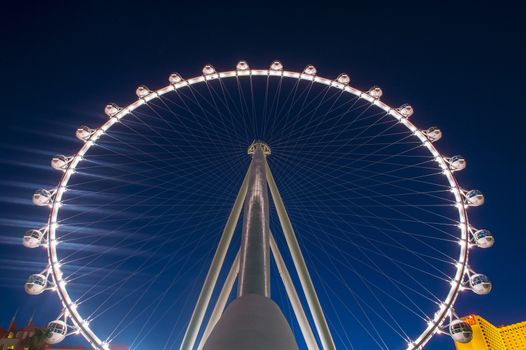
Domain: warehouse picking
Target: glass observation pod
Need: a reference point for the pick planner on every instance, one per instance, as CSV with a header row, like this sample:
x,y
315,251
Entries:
x,y
405,110
484,238
84,133
175,78
208,69
375,92
343,79
457,163
35,284
43,197
277,66
57,331
474,198
460,331
310,70
142,91
433,134
112,109
242,65
33,238
60,162
480,284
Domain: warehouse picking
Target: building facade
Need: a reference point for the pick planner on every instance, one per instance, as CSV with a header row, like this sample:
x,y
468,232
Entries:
x,y
18,338
489,337
15,338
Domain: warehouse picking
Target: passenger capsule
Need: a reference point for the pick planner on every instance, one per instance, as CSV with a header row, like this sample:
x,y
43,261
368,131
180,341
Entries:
x,y
457,163
56,331
484,238
242,65
142,91
276,66
112,109
208,70
33,238
474,198
375,92
343,79
43,197
175,78
310,70
433,134
35,284
480,284
84,133
460,331
405,110
60,162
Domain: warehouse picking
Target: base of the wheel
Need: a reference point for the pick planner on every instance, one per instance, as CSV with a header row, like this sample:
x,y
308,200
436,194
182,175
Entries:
x,y
252,322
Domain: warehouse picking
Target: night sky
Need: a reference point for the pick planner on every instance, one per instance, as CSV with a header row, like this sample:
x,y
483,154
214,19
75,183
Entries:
x,y
460,66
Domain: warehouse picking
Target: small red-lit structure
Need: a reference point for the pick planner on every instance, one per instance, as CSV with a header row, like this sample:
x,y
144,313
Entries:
x,y
15,338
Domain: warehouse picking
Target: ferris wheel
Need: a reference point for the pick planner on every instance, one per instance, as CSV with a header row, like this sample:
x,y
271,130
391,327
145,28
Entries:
x,y
378,221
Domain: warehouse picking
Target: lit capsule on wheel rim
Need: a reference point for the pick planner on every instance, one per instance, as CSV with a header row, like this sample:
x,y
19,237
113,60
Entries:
x,y
276,66
375,92
209,70
84,133
112,110
484,238
175,78
35,284
474,198
460,331
343,79
242,65
57,331
142,91
480,284
310,70
405,110
43,197
33,238
433,134
60,162
457,163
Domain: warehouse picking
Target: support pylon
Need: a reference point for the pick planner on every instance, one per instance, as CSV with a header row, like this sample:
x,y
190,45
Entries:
x,y
253,321
254,268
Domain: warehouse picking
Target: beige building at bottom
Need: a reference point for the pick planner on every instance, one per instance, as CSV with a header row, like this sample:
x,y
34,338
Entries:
x,y
489,337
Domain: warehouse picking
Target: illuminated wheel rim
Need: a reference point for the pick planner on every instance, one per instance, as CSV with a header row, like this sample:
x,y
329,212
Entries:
x,y
435,322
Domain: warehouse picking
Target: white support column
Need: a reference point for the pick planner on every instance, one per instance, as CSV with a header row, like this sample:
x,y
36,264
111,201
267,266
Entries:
x,y
215,268
221,301
306,330
299,262
254,265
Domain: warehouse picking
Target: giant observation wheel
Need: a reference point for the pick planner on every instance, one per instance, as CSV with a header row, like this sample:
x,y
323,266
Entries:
x,y
377,209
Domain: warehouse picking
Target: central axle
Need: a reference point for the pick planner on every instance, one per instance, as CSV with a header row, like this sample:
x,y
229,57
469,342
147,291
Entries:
x,y
254,268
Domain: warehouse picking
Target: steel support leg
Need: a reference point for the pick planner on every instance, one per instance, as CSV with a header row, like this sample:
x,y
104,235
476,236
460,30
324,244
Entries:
x,y
221,301
215,268
306,330
299,262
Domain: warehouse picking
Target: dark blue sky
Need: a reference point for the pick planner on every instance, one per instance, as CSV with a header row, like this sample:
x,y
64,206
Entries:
x,y
460,66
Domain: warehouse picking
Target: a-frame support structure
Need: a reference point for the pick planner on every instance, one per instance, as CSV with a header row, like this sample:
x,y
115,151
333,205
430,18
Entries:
x,y
251,265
